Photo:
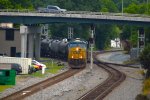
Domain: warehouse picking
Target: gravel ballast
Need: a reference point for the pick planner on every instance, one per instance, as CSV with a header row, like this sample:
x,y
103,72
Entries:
x,y
22,83
132,86
73,87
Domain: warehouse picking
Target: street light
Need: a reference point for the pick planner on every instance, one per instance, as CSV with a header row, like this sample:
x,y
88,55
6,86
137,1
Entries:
x,y
147,6
122,7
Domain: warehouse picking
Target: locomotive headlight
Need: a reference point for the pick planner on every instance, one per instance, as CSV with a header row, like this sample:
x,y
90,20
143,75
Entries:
x,y
77,49
72,57
81,57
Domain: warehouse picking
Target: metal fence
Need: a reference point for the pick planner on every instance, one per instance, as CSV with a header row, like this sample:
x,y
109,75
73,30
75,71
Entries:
x,y
76,12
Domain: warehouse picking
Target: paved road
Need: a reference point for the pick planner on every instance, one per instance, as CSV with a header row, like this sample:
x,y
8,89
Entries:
x,y
114,57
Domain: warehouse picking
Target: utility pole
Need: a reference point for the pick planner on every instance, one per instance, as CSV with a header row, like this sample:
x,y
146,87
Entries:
x,y
70,33
147,6
122,7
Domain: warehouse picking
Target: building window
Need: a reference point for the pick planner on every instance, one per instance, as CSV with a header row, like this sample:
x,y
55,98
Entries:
x,y
10,34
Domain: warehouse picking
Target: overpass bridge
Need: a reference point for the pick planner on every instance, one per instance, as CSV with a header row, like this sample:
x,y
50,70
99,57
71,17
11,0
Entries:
x,y
34,17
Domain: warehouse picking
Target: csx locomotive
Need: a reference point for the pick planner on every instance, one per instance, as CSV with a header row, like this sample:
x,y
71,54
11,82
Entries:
x,y
74,51
77,53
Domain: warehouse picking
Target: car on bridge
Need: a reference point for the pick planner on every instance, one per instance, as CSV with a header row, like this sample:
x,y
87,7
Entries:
x,y
51,9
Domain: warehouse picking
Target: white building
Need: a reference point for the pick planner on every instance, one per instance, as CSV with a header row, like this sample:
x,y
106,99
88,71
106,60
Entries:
x,y
6,25
115,43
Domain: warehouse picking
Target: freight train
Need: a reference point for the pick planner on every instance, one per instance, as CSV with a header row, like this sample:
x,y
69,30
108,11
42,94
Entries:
x,y
74,51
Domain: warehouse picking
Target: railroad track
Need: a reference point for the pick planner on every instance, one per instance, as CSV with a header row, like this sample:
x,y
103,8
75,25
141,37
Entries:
x,y
99,92
44,84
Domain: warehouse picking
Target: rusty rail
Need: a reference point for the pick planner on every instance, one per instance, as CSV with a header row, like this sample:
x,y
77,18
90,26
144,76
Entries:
x,y
44,84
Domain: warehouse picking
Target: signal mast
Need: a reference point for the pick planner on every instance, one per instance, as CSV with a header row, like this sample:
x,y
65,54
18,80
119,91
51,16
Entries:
x,y
91,42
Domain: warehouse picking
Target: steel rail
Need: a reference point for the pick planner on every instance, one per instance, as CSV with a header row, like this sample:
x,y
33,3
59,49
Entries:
x,y
44,84
99,92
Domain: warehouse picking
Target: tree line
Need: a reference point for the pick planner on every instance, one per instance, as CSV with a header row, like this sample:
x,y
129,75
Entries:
x,y
104,32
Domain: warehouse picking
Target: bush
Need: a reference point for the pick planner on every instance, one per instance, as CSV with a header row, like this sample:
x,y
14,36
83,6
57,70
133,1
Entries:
x,y
146,86
141,97
126,46
145,57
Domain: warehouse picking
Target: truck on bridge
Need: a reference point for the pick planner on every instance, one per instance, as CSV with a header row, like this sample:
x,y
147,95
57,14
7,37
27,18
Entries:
x,y
51,9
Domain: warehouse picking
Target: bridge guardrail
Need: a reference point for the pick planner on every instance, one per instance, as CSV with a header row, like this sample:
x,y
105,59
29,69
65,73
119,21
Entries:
x,y
77,12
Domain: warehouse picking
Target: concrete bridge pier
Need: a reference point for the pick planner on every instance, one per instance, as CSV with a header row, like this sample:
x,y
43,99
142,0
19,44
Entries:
x,y
23,32
30,45
37,46
30,41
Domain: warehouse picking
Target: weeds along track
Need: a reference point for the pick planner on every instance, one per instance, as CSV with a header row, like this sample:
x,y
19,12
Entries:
x,y
43,84
99,92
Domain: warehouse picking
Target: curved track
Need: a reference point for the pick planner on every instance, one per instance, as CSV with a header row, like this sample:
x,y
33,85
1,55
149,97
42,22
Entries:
x,y
44,84
99,92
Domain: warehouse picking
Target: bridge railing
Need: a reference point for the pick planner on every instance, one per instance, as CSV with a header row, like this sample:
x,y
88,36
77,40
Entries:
x,y
76,12
13,10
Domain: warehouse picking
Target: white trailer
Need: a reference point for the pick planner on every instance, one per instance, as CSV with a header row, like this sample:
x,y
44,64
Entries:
x,y
24,62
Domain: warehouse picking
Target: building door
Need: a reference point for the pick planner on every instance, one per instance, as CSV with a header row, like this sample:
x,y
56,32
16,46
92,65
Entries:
x,y
13,51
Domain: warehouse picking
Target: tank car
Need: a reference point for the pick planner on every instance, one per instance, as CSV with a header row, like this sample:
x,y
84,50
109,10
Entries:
x,y
77,53
45,50
54,47
63,49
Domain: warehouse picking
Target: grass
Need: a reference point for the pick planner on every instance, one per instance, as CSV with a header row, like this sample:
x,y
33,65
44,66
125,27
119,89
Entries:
x,y
44,58
52,68
94,48
4,87
146,87
141,72
131,61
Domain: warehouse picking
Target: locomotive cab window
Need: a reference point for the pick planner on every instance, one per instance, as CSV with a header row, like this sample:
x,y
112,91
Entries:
x,y
72,45
82,45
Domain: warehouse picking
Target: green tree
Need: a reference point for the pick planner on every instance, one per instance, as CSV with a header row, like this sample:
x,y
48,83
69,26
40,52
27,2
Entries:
x,y
126,33
109,5
104,33
135,9
147,35
5,4
134,38
55,30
